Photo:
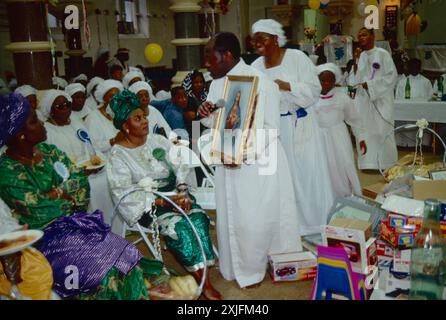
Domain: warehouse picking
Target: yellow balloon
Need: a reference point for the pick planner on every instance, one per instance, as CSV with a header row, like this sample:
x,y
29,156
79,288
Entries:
x,y
153,53
373,3
314,4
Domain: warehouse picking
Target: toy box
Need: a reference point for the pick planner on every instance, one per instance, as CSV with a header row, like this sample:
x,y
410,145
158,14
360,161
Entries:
x,y
385,253
354,237
402,237
295,266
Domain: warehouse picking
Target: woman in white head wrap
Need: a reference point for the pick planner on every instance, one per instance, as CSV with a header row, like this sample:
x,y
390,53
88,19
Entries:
x,y
100,122
62,131
82,79
333,110
131,77
30,93
77,93
91,89
296,77
156,120
48,100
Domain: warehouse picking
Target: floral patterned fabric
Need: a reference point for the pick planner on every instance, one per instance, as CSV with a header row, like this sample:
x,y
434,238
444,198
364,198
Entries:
x,y
24,188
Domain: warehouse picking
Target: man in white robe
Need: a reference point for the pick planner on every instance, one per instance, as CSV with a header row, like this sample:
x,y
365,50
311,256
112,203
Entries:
x,y
375,77
419,89
256,211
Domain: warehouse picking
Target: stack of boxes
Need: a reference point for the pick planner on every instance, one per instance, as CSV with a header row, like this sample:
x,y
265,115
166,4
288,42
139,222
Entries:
x,y
397,237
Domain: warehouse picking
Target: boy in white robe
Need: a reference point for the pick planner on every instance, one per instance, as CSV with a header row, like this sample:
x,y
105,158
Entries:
x,y
256,210
333,109
375,78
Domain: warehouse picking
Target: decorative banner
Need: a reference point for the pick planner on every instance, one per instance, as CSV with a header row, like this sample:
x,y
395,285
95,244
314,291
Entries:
x,y
314,4
153,53
338,49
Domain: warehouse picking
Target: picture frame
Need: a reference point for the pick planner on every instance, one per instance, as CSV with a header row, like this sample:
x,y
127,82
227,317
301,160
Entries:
x,y
233,123
439,174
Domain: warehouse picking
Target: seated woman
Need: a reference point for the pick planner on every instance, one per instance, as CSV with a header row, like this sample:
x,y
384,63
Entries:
x,y
44,188
99,122
62,128
141,155
35,277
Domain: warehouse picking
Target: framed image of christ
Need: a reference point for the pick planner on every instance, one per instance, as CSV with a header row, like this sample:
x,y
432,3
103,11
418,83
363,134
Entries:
x,y
233,122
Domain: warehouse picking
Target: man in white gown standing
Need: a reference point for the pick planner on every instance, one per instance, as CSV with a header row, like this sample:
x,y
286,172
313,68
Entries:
x,y
256,209
375,75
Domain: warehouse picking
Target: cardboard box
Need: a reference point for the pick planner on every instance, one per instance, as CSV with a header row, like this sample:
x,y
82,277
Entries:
x,y
373,190
401,237
295,266
401,260
354,224
360,249
435,189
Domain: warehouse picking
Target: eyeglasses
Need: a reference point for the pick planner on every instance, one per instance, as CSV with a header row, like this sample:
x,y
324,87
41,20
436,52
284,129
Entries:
x,y
63,105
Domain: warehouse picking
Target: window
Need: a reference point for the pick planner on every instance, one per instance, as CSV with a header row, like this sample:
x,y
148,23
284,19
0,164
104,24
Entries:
x,y
132,18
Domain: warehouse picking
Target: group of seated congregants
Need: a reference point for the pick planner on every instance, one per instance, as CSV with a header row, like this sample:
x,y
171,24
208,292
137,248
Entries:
x,y
45,185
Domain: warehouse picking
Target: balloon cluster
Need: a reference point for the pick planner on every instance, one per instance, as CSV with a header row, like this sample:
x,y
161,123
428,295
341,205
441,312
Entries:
x,y
318,4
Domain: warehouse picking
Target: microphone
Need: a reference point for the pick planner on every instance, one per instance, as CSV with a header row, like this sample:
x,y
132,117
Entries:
x,y
218,105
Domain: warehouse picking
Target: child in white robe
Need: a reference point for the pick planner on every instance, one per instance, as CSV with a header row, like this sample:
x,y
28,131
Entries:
x,y
333,109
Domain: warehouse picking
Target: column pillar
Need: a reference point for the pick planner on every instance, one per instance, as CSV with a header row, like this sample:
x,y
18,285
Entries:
x,y
187,40
28,29
74,65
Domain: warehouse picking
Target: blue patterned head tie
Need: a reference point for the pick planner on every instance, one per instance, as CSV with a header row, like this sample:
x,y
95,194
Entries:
x,y
14,110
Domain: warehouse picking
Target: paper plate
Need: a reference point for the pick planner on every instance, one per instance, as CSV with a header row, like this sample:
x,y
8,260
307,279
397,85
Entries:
x,y
80,164
31,235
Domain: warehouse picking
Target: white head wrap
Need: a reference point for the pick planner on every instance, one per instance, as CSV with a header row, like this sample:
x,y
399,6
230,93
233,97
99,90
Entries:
x,y
26,90
93,83
48,100
130,76
142,85
79,78
59,82
270,26
138,70
332,68
104,87
163,95
73,88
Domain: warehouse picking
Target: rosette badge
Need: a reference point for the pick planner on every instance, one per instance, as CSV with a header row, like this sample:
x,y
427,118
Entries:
x,y
376,66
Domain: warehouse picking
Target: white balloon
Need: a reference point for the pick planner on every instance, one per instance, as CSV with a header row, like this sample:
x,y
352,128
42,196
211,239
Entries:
x,y
361,9
325,1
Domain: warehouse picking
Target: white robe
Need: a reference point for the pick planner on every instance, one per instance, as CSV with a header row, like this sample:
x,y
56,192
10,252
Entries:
x,y
333,110
101,131
256,214
420,90
65,138
301,139
375,107
128,167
